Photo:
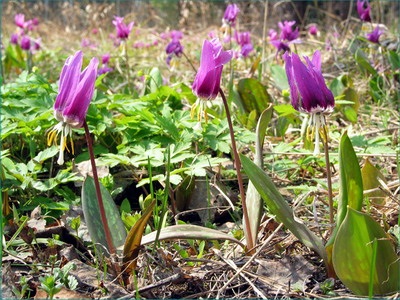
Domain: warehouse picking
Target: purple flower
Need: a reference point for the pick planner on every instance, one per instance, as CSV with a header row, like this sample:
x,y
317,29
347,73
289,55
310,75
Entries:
x,y
75,90
173,48
280,46
25,43
35,46
230,14
123,30
20,20
374,35
287,32
74,94
243,39
104,69
272,35
308,90
208,78
105,59
363,9
313,30
14,39
176,35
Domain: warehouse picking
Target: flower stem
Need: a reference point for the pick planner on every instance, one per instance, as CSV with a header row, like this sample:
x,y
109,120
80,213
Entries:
x,y
238,165
328,177
128,71
103,217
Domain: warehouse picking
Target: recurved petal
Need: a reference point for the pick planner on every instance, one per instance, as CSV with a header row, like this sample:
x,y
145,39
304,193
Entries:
x,y
69,79
307,85
75,112
316,60
294,93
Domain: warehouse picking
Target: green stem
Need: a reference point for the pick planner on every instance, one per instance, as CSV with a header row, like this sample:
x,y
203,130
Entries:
x,y
238,166
128,71
329,178
189,61
103,217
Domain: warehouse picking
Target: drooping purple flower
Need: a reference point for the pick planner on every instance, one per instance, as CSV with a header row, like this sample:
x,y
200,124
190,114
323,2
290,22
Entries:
x,y
75,90
122,29
74,95
174,47
287,32
308,90
176,35
280,46
230,15
14,39
374,35
25,43
35,21
244,40
313,30
20,20
207,82
363,9
105,59
35,45
272,35
104,69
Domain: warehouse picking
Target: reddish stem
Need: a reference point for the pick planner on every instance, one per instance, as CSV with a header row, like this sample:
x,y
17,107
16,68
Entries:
x,y
238,166
103,217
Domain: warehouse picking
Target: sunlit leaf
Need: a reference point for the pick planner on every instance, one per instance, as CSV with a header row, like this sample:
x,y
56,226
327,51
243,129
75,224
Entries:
x,y
278,206
353,253
91,212
192,232
253,198
133,240
371,177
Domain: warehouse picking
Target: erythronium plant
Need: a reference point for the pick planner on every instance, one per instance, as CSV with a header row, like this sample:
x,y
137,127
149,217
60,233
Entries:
x,y
123,31
310,95
207,85
75,92
363,10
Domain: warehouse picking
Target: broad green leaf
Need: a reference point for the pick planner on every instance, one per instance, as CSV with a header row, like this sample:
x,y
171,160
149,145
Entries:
x,y
253,198
192,232
132,242
353,254
370,178
363,63
351,185
155,79
279,76
253,95
280,208
91,211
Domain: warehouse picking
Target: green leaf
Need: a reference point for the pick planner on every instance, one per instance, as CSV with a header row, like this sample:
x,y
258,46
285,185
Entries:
x,y
132,242
91,212
192,232
362,61
155,79
353,253
253,198
371,177
351,185
280,208
253,95
279,76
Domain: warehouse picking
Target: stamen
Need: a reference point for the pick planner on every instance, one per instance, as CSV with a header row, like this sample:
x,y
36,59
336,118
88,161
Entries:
x,y
60,160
